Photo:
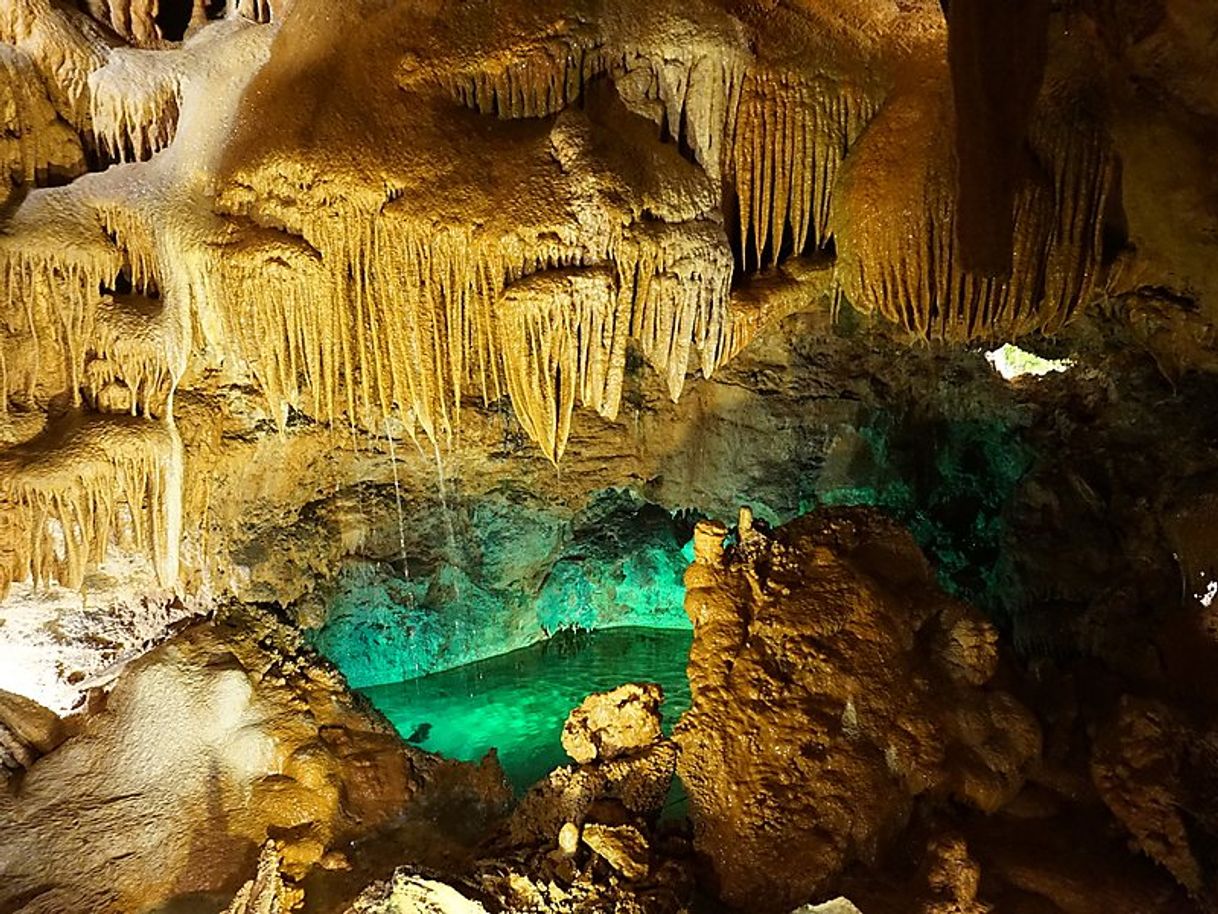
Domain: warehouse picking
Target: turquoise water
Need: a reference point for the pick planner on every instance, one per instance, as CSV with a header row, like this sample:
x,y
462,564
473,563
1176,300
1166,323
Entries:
x,y
517,702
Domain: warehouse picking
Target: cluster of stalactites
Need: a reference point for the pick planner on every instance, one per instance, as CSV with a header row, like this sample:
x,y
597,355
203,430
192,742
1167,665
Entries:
x,y
791,136
564,333
134,104
50,313
71,492
123,352
895,228
403,322
536,82
778,137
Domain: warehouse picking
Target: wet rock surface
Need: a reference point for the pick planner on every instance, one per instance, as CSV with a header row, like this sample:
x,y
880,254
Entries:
x,y
435,329
610,724
833,684
205,747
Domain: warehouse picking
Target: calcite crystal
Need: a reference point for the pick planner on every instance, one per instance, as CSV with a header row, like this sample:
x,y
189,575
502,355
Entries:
x,y
833,684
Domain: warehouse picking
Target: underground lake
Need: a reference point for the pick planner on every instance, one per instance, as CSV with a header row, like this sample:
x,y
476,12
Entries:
x,y
516,702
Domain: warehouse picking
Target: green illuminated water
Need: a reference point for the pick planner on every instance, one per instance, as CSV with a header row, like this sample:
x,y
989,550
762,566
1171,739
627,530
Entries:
x,y
517,702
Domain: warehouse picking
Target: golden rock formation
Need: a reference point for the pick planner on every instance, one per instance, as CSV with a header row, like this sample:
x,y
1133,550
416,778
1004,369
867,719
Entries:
x,y
833,684
378,213
205,747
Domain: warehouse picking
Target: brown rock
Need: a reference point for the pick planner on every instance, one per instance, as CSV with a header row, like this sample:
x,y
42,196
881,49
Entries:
x,y
623,847
833,683
267,893
27,731
641,780
1154,770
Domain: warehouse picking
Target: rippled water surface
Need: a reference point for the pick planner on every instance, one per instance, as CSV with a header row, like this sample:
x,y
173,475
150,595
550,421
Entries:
x,y
517,702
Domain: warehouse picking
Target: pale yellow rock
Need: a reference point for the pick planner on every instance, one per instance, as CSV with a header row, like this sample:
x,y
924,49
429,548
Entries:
x,y
607,724
568,838
623,847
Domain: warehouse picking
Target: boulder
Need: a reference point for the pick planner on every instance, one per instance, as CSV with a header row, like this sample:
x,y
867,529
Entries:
x,y
623,847
608,724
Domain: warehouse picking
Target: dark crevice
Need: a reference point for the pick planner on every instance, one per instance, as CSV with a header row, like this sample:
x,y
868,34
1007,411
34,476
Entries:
x,y
173,18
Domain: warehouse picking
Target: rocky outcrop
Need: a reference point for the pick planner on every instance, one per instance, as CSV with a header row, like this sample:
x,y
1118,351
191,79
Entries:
x,y
1154,768
267,892
833,685
205,748
585,839
27,732
609,724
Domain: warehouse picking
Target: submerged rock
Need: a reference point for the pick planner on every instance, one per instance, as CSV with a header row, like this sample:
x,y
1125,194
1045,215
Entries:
x,y
833,683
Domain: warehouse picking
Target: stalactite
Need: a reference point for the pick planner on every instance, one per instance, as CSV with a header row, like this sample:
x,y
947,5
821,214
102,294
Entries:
x,y
534,82
791,136
254,10
34,144
134,20
83,483
893,219
778,136
379,316
678,280
564,340
49,290
135,99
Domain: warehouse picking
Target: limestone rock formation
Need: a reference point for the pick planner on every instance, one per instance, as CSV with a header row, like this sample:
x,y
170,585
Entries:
x,y
1154,769
27,731
608,724
351,310
623,847
833,685
410,894
266,893
205,747
586,837
491,206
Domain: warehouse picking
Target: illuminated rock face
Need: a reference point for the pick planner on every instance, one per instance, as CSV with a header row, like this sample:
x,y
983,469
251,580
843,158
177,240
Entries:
x,y
287,306
204,748
379,217
833,684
